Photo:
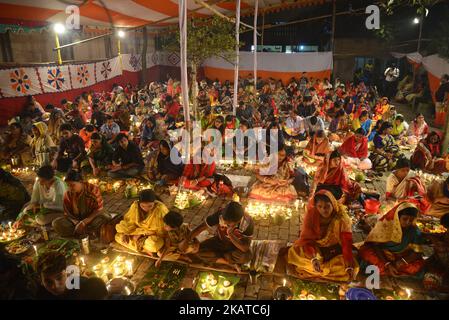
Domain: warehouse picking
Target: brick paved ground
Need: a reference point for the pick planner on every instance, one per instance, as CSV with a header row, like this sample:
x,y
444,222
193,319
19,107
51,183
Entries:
x,y
116,203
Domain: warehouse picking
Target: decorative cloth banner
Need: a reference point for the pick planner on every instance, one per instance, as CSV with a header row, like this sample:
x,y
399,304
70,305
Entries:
x,y
19,82
131,62
82,75
108,69
272,64
55,78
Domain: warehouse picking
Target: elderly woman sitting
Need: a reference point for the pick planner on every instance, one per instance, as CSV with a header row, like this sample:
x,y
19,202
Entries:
x,y
324,249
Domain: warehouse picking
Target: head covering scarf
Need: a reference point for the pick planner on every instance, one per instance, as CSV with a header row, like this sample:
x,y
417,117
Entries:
x,y
388,227
311,232
318,148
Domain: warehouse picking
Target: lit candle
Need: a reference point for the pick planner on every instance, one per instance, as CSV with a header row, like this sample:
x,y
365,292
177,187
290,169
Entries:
x,y
226,283
284,282
203,286
117,270
221,291
10,226
129,267
35,249
97,269
297,204
409,293
83,263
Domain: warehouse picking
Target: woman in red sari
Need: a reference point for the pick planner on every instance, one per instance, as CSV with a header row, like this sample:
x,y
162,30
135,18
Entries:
x,y
199,176
332,173
427,153
355,149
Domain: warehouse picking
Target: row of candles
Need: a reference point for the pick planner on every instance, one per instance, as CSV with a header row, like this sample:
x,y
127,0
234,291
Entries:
x,y
108,186
22,170
183,197
261,210
210,283
119,267
11,233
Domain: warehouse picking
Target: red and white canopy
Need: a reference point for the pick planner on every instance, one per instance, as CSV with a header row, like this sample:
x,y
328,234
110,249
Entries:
x,y
130,13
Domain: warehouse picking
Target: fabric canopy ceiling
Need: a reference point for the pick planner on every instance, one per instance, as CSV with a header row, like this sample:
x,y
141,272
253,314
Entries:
x,y
130,13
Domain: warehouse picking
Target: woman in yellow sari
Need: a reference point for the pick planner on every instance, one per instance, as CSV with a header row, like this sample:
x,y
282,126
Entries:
x,y
142,228
324,248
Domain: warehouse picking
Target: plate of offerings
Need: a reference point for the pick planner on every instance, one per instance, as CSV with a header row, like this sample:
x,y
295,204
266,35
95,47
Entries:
x,y
216,285
18,247
10,234
431,226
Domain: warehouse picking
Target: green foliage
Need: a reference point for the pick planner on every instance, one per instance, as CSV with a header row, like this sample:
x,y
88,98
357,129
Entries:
x,y
386,32
206,38
420,5
440,41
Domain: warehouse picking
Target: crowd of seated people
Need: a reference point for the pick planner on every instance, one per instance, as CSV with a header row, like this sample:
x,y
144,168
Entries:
x,y
128,133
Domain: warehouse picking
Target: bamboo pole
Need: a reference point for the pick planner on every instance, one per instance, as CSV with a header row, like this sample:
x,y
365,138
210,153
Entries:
x,y
237,48
59,50
256,8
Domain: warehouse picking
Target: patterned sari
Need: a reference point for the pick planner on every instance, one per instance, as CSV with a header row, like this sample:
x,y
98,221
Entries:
x,y
386,144
79,206
388,237
337,177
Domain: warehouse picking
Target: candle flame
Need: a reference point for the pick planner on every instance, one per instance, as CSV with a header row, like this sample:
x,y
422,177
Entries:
x,y
284,282
409,292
